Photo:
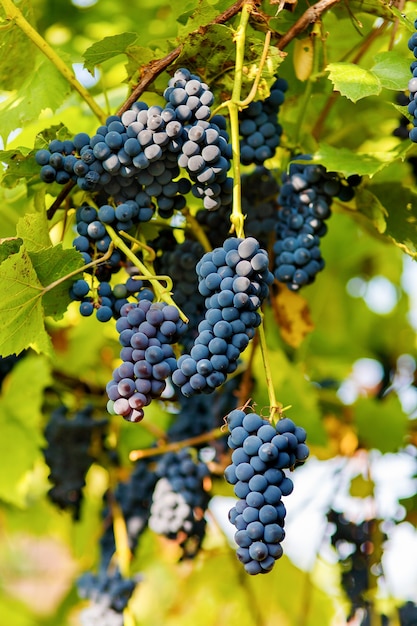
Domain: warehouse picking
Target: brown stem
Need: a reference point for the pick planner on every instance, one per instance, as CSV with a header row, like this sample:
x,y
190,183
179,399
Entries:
x,y
151,70
310,16
173,446
318,126
59,199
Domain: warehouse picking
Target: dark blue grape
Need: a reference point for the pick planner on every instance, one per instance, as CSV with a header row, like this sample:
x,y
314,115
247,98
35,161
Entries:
x,y
259,483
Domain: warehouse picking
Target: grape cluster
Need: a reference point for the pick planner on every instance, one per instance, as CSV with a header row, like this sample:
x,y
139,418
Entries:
x,y
305,199
362,541
146,332
179,500
412,85
134,160
261,452
69,456
180,263
131,157
109,595
259,127
234,280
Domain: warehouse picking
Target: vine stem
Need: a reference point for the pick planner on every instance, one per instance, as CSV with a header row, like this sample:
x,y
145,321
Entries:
x,y
59,199
273,404
311,15
237,218
142,245
251,95
173,446
15,15
161,293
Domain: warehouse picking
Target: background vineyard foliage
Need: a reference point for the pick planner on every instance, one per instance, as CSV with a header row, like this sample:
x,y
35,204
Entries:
x,y
344,75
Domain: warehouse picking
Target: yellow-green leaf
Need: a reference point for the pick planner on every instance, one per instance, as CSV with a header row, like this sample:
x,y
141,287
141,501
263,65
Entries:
x,y
352,81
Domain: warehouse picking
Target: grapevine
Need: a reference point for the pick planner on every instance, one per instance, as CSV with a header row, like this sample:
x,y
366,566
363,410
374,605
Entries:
x,y
190,245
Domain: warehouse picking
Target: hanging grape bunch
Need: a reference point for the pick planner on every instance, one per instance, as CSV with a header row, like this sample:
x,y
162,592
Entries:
x,y
261,453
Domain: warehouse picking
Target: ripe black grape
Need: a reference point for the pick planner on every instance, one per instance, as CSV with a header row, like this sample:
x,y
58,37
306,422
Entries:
x,y
146,332
261,453
305,199
259,127
179,500
234,280
109,595
68,455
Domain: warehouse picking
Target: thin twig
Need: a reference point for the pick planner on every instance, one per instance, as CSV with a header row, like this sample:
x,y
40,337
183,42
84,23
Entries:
x,y
176,445
310,16
59,199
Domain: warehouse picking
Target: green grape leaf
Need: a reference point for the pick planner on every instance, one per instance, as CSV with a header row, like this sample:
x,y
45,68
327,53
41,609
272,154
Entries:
x,y
201,15
50,262
392,70
401,206
212,48
20,418
44,137
27,276
33,229
352,81
19,164
347,162
369,205
9,246
107,48
27,103
137,57
381,424
50,265
21,310
372,7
